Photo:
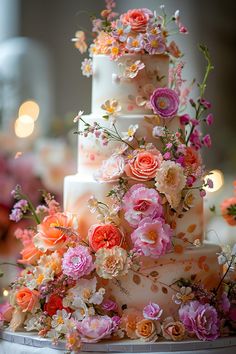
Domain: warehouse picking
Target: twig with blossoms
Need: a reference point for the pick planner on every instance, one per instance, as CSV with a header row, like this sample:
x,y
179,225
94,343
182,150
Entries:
x,y
201,105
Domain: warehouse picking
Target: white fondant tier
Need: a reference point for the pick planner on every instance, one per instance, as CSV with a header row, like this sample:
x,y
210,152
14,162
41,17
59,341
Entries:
x,y
91,151
125,91
79,188
155,281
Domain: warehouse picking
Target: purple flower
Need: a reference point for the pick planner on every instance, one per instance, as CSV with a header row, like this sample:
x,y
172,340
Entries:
x,y
165,102
140,202
77,262
152,237
184,119
194,122
209,183
206,104
21,204
16,215
167,155
152,311
206,140
135,44
155,44
109,305
202,193
201,320
93,328
209,119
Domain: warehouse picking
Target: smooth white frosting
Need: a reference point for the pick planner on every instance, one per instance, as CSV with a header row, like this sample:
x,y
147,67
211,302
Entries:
x,y
104,87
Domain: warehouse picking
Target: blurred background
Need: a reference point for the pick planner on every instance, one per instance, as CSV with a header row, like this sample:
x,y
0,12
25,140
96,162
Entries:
x,y
40,73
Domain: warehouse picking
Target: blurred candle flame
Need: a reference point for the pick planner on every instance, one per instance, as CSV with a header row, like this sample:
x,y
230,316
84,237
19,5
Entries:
x,y
24,126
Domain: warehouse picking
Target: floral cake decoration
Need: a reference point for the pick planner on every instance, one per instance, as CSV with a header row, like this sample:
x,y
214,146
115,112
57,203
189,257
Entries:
x,y
59,291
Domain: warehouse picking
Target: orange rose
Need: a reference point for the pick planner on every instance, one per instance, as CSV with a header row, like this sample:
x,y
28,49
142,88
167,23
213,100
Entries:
x,y
173,330
228,210
104,235
49,237
146,330
30,255
192,160
27,299
144,165
137,19
129,320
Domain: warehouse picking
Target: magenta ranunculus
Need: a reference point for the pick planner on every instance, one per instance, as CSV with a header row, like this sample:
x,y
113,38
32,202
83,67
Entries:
x,y
140,202
152,311
77,262
201,320
165,102
152,237
93,328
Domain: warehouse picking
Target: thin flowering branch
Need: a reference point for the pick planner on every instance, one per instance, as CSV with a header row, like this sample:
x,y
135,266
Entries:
x,y
199,106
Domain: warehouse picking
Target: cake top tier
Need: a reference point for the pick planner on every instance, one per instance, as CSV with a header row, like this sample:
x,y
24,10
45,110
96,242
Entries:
x,y
129,56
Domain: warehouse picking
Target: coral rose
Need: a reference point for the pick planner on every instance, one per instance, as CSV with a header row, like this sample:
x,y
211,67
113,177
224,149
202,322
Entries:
x,y
49,237
30,255
54,303
104,235
144,165
27,299
228,210
192,160
130,318
137,19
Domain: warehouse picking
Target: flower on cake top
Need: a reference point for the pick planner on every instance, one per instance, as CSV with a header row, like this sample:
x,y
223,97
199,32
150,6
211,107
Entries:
x,y
200,319
152,237
132,68
165,102
135,44
104,236
112,262
87,67
137,19
155,44
80,41
141,202
77,262
121,31
170,180
143,165
112,107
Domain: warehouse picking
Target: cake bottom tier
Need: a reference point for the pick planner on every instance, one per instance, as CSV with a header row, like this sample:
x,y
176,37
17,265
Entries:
x,y
78,190
156,280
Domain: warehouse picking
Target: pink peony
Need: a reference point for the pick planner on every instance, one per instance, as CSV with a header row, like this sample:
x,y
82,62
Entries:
x,y
165,102
152,311
77,262
140,202
144,165
94,328
152,237
201,320
137,19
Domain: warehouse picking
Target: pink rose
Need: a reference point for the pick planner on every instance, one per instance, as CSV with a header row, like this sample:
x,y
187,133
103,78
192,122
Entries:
x,y
144,165
93,328
111,169
137,19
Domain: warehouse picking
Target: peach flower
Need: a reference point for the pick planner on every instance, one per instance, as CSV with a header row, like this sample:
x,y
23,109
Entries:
x,y
228,210
49,237
146,330
129,320
27,299
30,255
192,160
137,19
174,50
144,166
173,330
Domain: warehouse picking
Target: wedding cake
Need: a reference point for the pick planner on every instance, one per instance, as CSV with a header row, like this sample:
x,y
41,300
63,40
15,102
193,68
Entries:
x,y
126,258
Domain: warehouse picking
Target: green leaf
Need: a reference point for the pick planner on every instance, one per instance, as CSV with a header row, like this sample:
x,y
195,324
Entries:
x,y
213,208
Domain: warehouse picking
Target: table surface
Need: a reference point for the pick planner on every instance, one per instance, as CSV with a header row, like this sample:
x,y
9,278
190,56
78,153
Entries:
x,y
30,343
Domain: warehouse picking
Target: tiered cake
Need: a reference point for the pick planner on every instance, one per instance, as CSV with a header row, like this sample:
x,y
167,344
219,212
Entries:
x,y
126,257
188,257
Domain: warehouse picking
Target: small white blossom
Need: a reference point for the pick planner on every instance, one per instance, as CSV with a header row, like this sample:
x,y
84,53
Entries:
x,y
79,115
129,135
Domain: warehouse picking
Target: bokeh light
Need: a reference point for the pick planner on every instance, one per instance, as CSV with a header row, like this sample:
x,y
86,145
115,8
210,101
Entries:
x,y
24,126
217,178
29,108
